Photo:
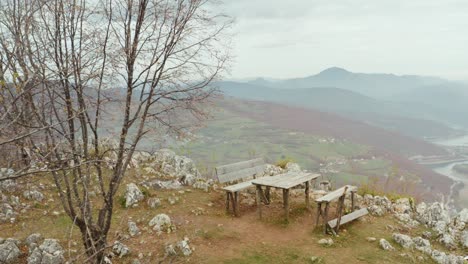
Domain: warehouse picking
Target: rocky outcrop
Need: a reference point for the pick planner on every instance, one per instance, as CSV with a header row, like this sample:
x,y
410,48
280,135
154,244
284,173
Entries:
x,y
403,240
292,167
272,170
49,252
173,165
9,251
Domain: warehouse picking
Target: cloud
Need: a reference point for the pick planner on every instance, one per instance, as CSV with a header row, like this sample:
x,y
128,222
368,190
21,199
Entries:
x,y
415,37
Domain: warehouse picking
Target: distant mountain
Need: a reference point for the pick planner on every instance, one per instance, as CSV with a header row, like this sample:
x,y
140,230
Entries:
x,y
377,85
339,90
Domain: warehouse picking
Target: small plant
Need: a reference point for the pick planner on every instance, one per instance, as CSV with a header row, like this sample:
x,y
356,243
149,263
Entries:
x,y
283,162
146,193
122,201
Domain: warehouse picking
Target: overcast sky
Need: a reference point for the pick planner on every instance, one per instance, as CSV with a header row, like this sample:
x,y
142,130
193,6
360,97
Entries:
x,y
294,38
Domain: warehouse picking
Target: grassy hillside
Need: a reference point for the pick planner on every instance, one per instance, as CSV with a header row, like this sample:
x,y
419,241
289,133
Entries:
x,y
411,119
234,136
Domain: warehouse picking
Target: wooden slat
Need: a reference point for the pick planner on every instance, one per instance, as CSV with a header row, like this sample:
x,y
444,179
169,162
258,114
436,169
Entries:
x,y
241,174
239,186
336,194
349,217
286,180
228,168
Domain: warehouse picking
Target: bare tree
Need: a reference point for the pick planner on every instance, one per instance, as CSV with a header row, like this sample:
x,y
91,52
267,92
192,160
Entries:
x,y
68,65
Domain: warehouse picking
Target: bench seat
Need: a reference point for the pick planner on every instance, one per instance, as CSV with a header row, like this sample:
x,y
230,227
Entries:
x,y
349,217
239,186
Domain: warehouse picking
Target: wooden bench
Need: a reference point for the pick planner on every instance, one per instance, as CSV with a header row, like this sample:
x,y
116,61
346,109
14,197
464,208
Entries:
x,y
340,194
243,173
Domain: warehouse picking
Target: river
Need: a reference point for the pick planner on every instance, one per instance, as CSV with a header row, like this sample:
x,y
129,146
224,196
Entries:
x,y
448,171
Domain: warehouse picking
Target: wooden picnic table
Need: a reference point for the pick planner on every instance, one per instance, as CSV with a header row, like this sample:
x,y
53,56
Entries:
x,y
284,181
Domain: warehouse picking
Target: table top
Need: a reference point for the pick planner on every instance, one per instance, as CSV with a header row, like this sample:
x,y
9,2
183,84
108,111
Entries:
x,y
285,180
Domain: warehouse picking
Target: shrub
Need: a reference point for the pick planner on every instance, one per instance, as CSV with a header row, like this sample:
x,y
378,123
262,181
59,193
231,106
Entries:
x,y
283,162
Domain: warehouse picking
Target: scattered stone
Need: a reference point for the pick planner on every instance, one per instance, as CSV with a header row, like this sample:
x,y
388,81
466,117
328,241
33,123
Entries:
x,y
315,260
33,240
184,247
404,240
33,195
172,200
170,250
376,210
6,212
198,211
326,241
203,184
154,202
371,239
292,167
272,170
402,206
464,239
133,229
176,166
9,252
422,245
161,223
133,195
385,245
120,249
49,252
427,234
448,241
159,184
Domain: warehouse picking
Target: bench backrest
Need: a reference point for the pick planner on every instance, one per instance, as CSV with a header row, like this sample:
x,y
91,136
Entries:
x,y
336,193
240,170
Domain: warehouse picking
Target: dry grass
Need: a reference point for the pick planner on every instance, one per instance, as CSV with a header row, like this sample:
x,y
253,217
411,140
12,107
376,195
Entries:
x,y
220,238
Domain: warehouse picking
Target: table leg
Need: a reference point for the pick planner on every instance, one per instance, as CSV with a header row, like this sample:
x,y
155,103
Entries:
x,y
259,201
286,203
307,190
267,195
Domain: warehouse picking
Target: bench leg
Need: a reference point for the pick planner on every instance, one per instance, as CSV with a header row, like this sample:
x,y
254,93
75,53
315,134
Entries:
x,y
307,201
236,204
259,201
286,203
319,213
267,195
227,201
233,202
325,218
340,212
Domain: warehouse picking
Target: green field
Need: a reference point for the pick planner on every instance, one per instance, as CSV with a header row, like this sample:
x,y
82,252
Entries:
x,y
229,138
